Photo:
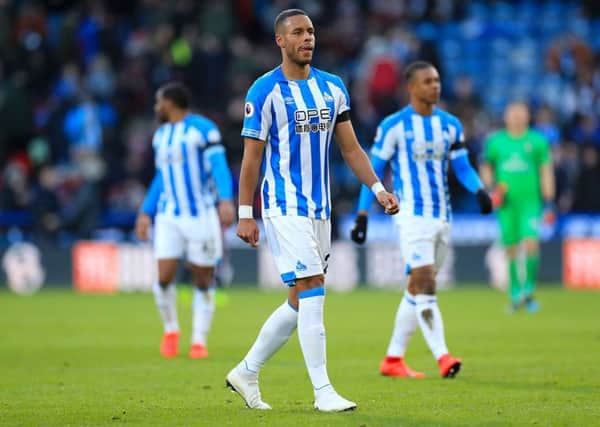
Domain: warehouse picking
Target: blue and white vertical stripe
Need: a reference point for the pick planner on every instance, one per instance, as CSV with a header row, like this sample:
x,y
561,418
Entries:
x,y
418,150
181,156
296,120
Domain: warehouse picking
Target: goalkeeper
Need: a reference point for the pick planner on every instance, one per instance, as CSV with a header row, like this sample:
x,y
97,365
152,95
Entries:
x,y
518,166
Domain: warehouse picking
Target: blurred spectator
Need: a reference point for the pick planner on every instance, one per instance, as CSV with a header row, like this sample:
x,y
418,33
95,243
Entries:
x,y
545,123
15,194
77,83
587,189
46,209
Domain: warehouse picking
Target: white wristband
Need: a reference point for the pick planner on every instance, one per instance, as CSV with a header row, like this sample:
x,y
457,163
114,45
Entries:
x,y
377,187
245,212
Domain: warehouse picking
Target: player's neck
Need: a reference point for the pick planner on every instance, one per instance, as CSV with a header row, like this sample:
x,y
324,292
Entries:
x,y
177,116
422,108
516,132
293,71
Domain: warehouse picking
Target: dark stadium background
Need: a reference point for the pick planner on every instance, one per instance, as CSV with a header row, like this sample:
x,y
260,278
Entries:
x,y
77,81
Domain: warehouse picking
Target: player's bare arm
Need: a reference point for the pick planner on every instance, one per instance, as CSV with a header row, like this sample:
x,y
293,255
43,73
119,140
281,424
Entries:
x,y
547,182
247,229
359,162
487,174
142,226
226,212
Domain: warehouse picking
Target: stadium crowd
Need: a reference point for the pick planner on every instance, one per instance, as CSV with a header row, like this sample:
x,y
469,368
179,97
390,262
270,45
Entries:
x,y
77,83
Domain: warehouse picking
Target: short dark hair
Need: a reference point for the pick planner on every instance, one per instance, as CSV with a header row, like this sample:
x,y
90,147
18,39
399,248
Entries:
x,y
178,93
415,66
285,14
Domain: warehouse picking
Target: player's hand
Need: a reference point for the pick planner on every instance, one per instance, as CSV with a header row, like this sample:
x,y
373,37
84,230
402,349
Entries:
x,y
359,231
142,226
498,195
549,215
485,201
388,201
226,213
247,230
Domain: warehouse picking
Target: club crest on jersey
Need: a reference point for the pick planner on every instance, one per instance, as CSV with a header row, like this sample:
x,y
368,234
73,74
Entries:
x,y
303,120
327,97
248,109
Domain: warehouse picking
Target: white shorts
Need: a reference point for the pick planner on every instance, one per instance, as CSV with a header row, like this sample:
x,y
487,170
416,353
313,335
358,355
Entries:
x,y
423,241
300,246
198,237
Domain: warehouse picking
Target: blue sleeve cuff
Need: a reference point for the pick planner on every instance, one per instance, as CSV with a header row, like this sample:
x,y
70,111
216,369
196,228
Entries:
x,y
465,172
150,204
221,173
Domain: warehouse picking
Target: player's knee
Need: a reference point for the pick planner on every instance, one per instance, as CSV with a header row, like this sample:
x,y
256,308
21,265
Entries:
x,y
512,251
422,281
532,247
307,283
165,278
313,282
164,282
202,281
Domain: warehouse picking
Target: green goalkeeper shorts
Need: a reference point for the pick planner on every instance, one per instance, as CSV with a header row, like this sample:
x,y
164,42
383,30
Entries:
x,y
519,222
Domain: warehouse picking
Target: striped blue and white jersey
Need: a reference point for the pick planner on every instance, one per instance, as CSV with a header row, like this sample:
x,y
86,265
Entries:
x,y
181,153
418,149
296,119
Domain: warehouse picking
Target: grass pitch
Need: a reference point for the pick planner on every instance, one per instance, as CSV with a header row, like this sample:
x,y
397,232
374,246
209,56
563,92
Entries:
x,y
70,359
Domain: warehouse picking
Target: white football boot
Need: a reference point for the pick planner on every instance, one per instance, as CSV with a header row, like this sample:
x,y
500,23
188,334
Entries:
x,y
246,385
327,400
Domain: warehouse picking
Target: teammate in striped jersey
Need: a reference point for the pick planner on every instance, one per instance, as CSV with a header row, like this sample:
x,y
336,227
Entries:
x,y
417,141
292,113
190,162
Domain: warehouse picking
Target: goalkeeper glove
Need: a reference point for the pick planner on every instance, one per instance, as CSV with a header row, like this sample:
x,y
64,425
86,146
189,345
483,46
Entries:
x,y
485,201
549,215
359,231
498,195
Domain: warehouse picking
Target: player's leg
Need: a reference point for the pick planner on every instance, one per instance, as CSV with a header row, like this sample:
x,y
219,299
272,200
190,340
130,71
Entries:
x,y
313,255
530,226
204,249
168,247
426,253
274,333
203,308
510,236
405,325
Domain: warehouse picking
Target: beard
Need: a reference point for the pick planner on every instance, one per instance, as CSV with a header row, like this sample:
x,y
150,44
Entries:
x,y
295,57
161,118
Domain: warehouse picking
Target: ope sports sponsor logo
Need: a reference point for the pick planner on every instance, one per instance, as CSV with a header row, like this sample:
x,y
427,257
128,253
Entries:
x,y
303,120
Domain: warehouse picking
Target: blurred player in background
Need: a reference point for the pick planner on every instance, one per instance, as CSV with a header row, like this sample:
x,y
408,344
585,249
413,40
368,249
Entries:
x,y
518,164
188,156
291,115
417,141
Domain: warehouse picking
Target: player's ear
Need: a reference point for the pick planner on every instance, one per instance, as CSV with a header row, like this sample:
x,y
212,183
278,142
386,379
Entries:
x,y
279,40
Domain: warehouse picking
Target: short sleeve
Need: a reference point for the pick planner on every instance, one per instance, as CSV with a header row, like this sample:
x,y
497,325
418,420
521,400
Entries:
x,y
384,145
257,114
456,131
339,94
343,98
213,135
